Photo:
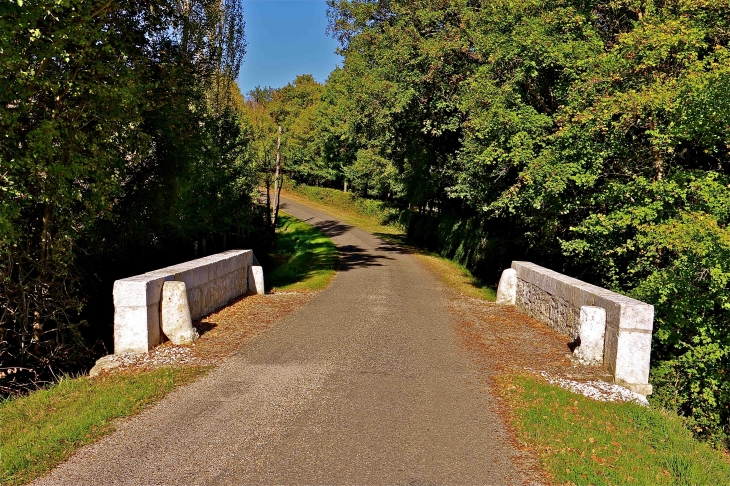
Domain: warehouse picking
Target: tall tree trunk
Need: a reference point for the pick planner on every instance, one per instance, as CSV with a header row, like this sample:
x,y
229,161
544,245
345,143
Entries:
x,y
267,181
277,181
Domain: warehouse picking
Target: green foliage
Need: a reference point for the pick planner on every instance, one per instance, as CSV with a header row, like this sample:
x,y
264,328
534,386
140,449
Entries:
x,y
380,219
43,429
590,137
465,240
119,145
303,259
583,441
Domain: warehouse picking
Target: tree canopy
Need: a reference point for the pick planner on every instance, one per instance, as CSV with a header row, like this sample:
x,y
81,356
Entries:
x,y
120,144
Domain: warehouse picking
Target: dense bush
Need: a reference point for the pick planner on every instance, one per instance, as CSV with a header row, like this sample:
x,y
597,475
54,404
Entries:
x,y
120,150
386,213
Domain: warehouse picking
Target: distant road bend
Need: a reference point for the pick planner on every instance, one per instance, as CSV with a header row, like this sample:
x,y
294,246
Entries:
x,y
365,384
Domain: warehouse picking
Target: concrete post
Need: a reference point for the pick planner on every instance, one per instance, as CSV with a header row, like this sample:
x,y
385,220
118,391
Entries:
x,y
175,317
256,280
507,290
592,335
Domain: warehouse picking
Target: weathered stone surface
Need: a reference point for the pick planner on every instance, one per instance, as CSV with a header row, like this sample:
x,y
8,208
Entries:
x,y
136,328
556,299
548,308
211,282
507,289
175,318
592,334
632,360
104,364
256,280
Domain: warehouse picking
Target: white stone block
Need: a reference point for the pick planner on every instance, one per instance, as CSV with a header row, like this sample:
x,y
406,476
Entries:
x,y
139,290
193,276
136,328
211,282
592,335
175,314
629,322
256,280
633,355
637,315
507,289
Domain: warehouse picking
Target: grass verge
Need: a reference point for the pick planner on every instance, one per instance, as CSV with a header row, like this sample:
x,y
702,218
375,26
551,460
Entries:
x,y
41,430
358,212
583,441
304,259
46,427
346,207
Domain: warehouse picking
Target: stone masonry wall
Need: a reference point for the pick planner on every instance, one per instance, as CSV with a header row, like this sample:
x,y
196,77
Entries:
x,y
557,312
210,282
556,300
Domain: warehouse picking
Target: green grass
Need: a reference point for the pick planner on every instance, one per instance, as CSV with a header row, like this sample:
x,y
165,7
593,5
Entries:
x,y
458,277
44,428
367,214
304,258
370,216
582,441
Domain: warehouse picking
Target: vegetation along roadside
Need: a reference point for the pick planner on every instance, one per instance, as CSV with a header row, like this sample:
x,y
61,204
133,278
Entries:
x,y
589,137
385,221
578,440
44,428
303,259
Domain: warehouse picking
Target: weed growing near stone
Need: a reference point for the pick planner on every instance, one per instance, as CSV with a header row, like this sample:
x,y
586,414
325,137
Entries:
x,y
44,428
583,441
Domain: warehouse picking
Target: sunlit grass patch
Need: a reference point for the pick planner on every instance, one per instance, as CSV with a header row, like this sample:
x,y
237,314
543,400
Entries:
x,y
44,428
456,276
583,441
304,258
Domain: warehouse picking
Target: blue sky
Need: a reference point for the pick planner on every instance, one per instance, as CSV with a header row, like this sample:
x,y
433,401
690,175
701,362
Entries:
x,y
286,38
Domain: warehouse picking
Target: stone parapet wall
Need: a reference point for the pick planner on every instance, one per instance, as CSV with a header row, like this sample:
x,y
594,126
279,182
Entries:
x,y
210,283
556,300
545,307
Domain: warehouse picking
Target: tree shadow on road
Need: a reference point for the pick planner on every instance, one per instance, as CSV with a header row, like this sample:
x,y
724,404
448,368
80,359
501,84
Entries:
x,y
331,228
352,257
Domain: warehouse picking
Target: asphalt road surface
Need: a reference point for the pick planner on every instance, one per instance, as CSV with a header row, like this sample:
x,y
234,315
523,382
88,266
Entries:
x,y
366,384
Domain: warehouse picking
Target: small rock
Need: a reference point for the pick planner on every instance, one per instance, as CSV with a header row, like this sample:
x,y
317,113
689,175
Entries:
x,y
106,363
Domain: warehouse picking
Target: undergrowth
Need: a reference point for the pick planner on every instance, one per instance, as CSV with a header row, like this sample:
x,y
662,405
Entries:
x,y
380,219
368,214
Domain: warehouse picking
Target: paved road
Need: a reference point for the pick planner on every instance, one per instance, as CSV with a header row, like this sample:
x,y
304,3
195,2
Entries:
x,y
365,384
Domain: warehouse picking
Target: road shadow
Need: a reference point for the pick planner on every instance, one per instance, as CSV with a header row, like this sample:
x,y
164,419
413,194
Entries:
x,y
400,244
331,228
204,325
352,257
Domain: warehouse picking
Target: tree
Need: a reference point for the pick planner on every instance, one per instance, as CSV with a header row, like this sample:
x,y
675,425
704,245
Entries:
x,y
115,118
